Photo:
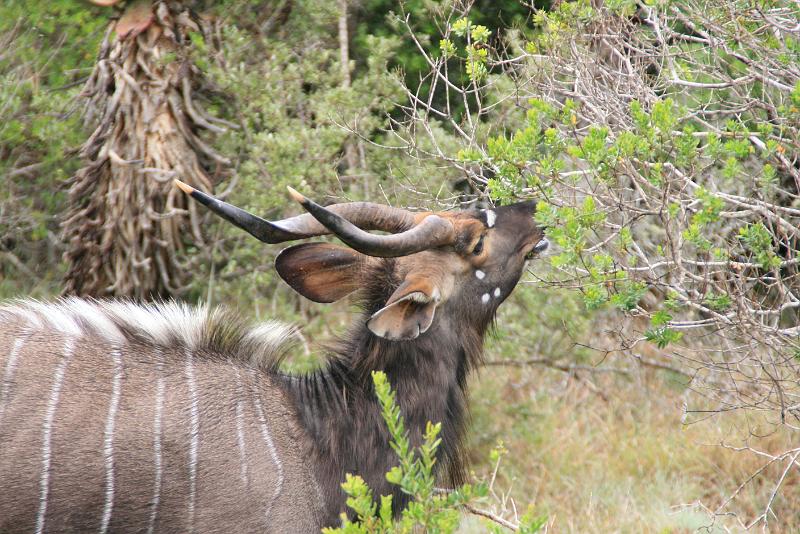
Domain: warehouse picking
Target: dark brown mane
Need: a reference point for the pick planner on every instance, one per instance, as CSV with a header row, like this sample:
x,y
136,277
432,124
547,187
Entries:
x,y
429,374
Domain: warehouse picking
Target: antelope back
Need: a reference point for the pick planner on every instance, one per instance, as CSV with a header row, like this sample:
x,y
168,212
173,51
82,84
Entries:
x,y
115,417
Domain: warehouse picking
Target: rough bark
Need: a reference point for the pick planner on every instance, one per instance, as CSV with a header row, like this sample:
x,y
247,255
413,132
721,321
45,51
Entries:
x,y
125,221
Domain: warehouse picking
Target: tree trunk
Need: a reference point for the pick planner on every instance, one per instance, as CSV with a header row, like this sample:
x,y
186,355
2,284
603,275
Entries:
x,y
350,153
125,222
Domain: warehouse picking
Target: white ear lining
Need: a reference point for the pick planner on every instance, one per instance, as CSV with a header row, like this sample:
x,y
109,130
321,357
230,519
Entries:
x,y
416,296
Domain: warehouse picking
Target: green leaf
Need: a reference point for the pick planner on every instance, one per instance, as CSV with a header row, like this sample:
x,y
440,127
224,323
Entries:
x,y
480,34
663,336
718,302
447,48
660,318
461,26
628,295
758,239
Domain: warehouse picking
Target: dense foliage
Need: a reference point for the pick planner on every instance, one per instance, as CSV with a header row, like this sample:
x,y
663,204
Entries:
x,y
47,52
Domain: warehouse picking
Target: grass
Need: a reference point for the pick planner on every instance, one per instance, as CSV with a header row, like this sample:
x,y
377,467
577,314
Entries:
x,y
619,459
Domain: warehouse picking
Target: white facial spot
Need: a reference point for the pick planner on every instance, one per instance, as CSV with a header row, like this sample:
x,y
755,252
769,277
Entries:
x,y
496,292
485,298
490,218
480,275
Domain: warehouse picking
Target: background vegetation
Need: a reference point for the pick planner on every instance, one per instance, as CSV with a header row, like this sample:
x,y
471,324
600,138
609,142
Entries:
x,y
643,378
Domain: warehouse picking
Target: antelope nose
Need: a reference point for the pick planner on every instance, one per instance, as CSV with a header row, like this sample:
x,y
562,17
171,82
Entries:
x,y
541,246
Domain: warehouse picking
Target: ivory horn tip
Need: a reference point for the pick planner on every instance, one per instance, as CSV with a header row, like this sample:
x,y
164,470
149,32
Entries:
x,y
186,188
295,195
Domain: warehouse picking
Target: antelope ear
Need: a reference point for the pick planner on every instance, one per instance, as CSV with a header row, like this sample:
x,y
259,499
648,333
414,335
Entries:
x,y
319,271
408,312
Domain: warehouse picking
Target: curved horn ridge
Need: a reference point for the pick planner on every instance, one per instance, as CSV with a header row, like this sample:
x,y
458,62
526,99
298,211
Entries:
x,y
432,231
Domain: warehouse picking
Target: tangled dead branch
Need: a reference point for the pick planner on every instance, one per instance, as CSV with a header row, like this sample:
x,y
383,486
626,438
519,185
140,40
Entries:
x,y
664,138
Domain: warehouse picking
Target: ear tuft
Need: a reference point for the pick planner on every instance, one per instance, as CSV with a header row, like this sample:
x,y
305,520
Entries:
x,y
320,271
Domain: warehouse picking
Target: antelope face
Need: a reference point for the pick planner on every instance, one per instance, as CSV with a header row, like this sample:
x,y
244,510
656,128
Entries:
x,y
469,260
496,257
472,276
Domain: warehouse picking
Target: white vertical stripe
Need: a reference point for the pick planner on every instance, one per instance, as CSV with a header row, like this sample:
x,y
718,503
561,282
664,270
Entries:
x,y
194,437
47,431
240,427
108,439
8,377
262,423
157,441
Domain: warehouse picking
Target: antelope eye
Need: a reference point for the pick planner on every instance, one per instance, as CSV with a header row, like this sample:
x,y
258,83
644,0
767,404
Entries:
x,y
478,247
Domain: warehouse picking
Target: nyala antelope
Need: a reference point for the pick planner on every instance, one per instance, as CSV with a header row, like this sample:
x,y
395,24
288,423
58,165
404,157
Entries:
x,y
120,417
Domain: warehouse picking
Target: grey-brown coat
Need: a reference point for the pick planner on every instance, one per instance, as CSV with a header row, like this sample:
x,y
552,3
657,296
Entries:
x,y
164,418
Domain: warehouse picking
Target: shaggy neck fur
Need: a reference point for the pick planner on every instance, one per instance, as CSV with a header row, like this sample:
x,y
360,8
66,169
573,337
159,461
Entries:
x,y
341,414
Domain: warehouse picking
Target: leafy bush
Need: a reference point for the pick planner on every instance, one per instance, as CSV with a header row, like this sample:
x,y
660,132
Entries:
x,y
435,511
47,49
